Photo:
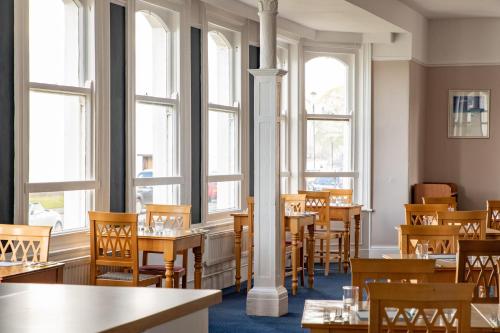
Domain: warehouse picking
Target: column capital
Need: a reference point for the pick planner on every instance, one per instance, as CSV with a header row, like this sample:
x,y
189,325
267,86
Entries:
x,y
268,6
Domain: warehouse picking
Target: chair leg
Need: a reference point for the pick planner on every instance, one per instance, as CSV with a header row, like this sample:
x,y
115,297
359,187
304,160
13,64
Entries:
x,y
340,254
301,264
185,264
327,256
176,279
321,253
145,258
158,283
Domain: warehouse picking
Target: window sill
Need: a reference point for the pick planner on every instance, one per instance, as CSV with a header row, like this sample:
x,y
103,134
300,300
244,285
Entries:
x,y
69,245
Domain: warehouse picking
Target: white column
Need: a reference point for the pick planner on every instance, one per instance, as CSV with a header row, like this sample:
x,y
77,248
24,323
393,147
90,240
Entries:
x,y
268,297
268,10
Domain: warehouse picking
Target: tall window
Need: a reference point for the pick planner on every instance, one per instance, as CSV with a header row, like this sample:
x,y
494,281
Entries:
x,y
224,171
282,62
60,181
329,122
157,175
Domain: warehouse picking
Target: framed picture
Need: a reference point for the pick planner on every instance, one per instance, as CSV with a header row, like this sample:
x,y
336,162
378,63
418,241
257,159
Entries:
x,y
469,114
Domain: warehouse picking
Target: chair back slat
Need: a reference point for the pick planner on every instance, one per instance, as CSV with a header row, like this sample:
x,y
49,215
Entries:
x,y
477,263
114,243
493,208
420,214
319,202
426,307
340,195
472,223
365,271
442,239
450,201
297,202
24,243
165,212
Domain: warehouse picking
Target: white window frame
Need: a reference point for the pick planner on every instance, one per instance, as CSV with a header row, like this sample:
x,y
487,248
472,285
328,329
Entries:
x,y
23,86
285,172
180,100
211,19
173,74
342,55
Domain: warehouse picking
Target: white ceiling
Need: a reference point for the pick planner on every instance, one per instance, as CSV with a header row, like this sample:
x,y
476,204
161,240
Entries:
x,y
331,15
455,8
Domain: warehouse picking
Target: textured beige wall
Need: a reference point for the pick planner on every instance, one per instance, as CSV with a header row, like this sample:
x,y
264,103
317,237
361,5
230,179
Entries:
x,y
391,85
473,164
418,84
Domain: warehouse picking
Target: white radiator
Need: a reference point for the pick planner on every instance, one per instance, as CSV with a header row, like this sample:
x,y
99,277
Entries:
x,y
77,270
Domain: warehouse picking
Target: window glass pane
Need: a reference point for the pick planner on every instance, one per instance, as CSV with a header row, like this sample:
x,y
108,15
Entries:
x,y
161,194
155,141
223,196
326,183
221,143
151,56
64,211
328,145
284,144
54,42
326,83
57,138
219,69
284,184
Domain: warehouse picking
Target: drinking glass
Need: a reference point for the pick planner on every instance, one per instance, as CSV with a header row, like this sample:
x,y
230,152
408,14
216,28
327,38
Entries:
x,y
422,251
141,223
350,300
179,223
159,226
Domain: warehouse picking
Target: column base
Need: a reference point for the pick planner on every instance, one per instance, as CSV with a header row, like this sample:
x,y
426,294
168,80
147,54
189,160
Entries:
x,y
268,302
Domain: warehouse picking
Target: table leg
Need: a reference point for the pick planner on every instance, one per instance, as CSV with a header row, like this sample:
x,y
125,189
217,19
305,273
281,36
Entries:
x,y
347,243
198,254
237,255
310,255
357,222
295,239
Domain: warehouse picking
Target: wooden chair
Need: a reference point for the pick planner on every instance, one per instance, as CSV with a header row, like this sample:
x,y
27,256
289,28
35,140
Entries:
x,y
24,243
450,201
472,223
383,270
250,243
493,208
426,307
442,239
297,202
477,263
320,202
164,213
420,214
114,244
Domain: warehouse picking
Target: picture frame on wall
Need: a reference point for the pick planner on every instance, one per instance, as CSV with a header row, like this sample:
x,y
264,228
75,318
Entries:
x,y
469,114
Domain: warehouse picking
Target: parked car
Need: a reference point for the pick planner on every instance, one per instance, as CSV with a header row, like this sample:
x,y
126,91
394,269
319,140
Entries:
x,y
324,183
39,215
144,194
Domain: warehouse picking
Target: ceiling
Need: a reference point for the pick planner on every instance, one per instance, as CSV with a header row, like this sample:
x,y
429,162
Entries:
x,y
331,15
455,8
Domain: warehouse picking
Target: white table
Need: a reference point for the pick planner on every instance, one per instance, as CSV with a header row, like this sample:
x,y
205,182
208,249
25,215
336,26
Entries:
x,y
71,308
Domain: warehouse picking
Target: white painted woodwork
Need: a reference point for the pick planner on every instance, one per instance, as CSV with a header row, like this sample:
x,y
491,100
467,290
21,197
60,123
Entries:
x,y
268,297
268,10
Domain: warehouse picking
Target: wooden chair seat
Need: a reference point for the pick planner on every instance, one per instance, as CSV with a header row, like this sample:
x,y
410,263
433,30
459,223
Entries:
x,y
123,276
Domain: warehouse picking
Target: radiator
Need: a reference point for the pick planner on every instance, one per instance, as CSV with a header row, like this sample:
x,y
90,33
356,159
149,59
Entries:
x,y
77,270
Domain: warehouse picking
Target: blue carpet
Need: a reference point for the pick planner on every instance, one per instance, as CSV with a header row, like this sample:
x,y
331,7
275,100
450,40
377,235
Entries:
x,y
230,316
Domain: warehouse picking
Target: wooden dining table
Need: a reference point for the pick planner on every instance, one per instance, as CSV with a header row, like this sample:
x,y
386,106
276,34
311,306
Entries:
x,y
345,213
47,272
170,245
295,223
313,318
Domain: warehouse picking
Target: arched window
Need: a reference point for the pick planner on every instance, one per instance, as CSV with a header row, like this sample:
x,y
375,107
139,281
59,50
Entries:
x,y
61,181
219,69
328,80
224,174
156,110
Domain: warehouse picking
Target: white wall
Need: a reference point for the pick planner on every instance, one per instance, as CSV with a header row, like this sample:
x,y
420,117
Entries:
x,y
391,86
464,41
